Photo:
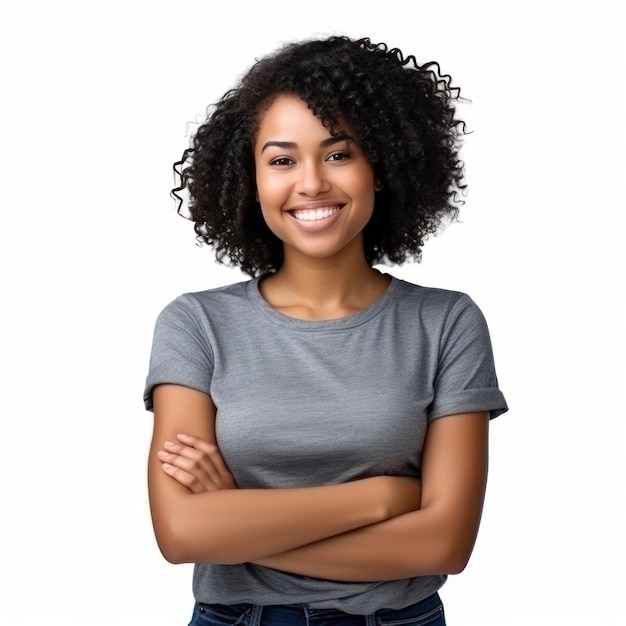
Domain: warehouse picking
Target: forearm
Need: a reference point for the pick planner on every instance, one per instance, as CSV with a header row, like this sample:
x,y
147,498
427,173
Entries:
x,y
415,544
239,525
437,539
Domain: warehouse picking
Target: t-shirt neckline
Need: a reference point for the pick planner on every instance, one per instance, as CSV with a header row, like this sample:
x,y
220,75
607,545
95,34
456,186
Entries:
x,y
339,323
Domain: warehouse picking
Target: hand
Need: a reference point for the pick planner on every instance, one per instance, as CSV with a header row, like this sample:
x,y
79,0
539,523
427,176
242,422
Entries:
x,y
196,464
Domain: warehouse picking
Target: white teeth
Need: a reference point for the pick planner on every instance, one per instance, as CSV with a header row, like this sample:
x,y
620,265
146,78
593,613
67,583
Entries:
x,y
310,215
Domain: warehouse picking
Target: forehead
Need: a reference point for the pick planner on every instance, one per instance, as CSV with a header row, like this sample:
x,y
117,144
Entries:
x,y
289,115
286,110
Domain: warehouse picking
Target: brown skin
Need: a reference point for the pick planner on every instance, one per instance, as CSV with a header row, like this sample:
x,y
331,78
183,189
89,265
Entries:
x,y
324,274
378,528
221,524
436,539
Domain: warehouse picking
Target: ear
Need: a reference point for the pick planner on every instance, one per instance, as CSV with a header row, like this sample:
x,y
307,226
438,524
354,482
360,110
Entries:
x,y
378,184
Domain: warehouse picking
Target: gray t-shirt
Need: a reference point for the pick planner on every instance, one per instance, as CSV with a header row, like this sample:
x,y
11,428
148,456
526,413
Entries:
x,y
302,402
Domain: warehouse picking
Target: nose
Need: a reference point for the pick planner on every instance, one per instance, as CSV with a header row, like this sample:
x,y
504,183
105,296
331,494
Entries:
x,y
312,179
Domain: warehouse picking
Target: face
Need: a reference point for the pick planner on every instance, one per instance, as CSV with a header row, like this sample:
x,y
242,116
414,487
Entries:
x,y
316,190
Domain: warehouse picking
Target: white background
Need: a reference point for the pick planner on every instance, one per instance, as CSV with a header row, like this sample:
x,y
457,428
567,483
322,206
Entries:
x,y
96,99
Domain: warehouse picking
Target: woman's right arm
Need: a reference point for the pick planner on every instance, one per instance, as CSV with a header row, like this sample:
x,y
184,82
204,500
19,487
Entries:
x,y
241,525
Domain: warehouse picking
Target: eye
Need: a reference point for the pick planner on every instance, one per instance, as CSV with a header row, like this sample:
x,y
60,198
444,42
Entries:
x,y
282,161
342,155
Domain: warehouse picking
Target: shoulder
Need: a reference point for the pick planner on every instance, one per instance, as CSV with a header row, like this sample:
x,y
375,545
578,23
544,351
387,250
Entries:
x,y
438,312
431,300
221,301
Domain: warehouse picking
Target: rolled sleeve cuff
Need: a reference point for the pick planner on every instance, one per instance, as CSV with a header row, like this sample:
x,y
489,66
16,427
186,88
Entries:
x,y
469,401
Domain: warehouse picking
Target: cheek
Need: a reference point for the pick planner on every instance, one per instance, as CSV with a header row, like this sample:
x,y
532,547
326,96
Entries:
x,y
367,197
273,221
269,190
363,184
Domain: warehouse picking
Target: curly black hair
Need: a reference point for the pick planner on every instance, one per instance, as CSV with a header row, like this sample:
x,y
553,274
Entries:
x,y
404,118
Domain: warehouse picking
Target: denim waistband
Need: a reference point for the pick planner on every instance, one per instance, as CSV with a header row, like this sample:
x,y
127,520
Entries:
x,y
427,611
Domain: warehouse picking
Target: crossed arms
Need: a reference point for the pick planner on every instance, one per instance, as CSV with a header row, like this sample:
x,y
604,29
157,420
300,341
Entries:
x,y
373,529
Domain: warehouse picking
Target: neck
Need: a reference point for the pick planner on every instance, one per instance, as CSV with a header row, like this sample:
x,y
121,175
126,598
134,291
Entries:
x,y
323,288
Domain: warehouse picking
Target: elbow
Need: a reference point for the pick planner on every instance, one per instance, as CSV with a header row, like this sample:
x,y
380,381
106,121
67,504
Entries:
x,y
173,538
455,556
172,547
455,564
177,554
443,560
455,544
450,549
176,542
172,556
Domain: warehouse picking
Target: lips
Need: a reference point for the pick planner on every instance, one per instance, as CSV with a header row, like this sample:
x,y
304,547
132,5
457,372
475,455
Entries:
x,y
314,215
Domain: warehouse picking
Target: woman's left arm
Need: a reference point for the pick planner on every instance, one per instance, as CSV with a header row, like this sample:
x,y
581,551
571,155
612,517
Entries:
x,y
437,539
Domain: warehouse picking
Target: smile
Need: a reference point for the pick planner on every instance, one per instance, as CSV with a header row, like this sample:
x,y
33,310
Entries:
x,y
312,215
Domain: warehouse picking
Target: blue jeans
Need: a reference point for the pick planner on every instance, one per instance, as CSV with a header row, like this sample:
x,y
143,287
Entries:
x,y
428,612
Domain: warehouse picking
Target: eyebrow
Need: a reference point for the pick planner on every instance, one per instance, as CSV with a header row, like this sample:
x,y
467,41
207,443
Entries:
x,y
290,145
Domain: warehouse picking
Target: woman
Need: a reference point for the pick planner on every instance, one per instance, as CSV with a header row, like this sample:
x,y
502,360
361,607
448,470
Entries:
x,y
320,434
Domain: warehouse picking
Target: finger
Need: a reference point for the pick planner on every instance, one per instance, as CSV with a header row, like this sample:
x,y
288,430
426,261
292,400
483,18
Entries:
x,y
186,451
199,469
184,478
211,450
207,466
196,442
180,462
203,460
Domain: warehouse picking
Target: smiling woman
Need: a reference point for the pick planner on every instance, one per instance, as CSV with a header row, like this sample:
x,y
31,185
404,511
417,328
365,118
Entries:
x,y
321,430
316,190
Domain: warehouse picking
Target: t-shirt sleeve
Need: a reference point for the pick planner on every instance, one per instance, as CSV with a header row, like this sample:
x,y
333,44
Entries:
x,y
181,353
466,380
